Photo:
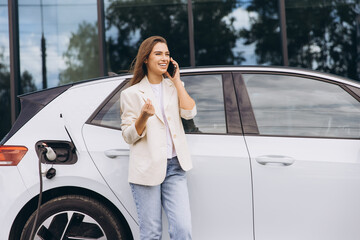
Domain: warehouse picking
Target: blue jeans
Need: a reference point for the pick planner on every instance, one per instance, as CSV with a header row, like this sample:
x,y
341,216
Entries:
x,y
173,196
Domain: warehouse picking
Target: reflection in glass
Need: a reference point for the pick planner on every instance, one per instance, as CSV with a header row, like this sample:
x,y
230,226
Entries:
x,y
5,112
128,23
70,35
324,35
237,32
294,106
207,91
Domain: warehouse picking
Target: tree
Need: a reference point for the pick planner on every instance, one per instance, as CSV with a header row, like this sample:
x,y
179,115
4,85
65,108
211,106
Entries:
x,y
133,21
82,55
26,85
321,34
264,31
5,116
215,38
136,20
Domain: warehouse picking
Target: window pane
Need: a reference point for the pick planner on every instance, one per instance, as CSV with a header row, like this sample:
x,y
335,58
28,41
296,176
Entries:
x,y
128,23
65,32
294,106
324,35
109,115
207,91
237,32
5,112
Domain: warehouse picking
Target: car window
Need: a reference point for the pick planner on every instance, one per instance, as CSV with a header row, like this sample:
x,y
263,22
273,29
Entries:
x,y
109,114
207,91
296,106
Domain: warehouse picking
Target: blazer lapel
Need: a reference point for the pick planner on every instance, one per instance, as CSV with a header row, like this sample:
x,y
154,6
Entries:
x,y
168,91
147,93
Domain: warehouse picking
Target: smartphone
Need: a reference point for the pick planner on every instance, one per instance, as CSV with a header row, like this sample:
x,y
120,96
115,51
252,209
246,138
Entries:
x,y
171,69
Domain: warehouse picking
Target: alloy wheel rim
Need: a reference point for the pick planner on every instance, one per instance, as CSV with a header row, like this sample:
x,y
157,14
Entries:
x,y
72,225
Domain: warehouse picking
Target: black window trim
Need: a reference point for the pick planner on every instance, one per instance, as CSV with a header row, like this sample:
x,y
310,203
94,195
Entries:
x,y
248,120
246,111
232,114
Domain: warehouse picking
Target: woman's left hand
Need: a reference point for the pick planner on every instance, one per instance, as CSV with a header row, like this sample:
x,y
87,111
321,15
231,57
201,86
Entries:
x,y
176,76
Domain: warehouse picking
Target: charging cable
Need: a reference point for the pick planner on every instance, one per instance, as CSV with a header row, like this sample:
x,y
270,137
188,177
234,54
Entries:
x,y
50,155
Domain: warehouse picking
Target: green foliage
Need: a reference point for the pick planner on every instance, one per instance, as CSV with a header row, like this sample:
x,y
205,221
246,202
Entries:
x,y
133,21
82,55
215,38
264,32
5,117
321,34
27,85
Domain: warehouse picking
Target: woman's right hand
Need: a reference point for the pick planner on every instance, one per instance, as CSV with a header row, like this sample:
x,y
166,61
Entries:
x,y
148,109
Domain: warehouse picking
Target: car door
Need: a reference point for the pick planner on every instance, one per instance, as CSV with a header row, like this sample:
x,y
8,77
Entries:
x,y
303,136
220,182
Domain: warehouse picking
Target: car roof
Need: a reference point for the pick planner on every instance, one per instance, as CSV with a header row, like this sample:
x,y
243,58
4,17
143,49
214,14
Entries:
x,y
277,69
258,69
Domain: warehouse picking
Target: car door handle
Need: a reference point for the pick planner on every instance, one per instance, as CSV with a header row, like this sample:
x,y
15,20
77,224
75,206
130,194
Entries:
x,y
113,153
275,160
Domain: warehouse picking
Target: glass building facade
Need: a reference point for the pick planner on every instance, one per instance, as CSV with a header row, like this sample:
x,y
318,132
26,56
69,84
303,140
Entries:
x,y
47,43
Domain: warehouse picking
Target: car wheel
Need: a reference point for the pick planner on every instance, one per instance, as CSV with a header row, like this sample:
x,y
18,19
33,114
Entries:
x,y
73,217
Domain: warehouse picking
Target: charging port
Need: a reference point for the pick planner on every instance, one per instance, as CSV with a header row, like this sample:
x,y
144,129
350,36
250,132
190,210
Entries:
x,y
64,150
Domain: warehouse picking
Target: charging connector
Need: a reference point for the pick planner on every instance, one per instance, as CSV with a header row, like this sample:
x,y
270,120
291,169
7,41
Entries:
x,y
50,154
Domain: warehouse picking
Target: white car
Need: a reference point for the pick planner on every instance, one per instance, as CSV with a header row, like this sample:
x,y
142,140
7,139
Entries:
x,y
276,155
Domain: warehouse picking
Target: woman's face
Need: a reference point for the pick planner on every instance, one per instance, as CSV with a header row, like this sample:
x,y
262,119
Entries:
x,y
158,60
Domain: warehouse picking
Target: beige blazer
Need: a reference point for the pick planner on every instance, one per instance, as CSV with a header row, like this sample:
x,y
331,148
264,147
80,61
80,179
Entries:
x,y
148,152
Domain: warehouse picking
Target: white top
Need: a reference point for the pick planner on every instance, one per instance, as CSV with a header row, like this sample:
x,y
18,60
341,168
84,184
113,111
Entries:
x,y
158,92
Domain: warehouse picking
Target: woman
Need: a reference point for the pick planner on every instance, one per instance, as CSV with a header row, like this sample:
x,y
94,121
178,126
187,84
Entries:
x,y
151,123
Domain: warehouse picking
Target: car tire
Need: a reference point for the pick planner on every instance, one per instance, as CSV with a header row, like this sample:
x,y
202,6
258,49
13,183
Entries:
x,y
74,217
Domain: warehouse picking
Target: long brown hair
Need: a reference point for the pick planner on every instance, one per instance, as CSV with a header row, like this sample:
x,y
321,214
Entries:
x,y
138,66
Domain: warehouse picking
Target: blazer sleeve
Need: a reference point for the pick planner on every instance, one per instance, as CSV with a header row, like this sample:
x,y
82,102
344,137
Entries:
x,y
188,114
129,114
